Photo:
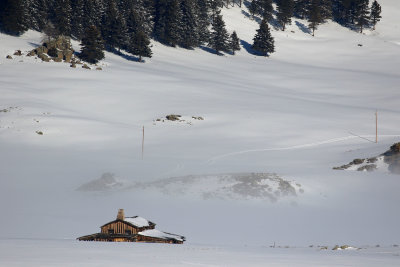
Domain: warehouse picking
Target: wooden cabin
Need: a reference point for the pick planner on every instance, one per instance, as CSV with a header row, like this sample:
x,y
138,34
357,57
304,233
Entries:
x,y
132,229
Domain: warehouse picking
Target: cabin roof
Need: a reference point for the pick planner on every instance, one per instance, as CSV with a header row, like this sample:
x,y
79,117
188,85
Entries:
x,y
162,235
136,221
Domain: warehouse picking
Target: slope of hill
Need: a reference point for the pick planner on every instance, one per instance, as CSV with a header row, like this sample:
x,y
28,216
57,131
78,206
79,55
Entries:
x,y
297,114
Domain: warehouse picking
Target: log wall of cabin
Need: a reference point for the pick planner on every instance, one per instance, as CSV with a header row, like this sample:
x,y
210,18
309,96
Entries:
x,y
119,228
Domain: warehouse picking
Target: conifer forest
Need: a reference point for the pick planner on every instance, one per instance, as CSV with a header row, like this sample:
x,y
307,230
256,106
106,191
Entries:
x,y
130,24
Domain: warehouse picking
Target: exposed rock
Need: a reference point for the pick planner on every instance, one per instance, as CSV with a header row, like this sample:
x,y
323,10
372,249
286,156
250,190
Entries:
x,y
173,117
85,66
18,53
44,57
58,49
73,65
31,53
105,183
392,158
198,118
98,68
358,161
39,132
9,57
368,168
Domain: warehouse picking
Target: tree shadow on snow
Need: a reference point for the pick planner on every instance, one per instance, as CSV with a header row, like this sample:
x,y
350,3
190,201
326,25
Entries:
x,y
303,27
249,49
210,50
126,56
248,15
35,45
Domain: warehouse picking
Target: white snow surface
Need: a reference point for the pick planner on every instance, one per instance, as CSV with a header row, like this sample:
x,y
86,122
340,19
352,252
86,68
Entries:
x,y
297,113
137,221
160,234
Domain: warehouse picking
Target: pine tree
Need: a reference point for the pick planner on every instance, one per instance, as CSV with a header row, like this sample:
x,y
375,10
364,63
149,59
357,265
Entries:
x,y
140,45
234,43
362,14
219,35
314,17
267,9
285,10
92,45
93,14
342,11
114,27
39,13
301,8
375,15
166,22
203,15
62,17
263,41
12,20
326,9
77,20
189,36
253,8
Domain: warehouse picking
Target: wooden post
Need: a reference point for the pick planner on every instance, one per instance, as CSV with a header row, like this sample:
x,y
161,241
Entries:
x,y
376,126
143,144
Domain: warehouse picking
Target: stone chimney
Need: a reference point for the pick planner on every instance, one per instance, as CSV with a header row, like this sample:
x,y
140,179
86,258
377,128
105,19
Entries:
x,y
121,215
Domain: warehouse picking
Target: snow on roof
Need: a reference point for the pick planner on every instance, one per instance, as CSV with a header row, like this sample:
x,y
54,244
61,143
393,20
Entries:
x,y
159,234
137,221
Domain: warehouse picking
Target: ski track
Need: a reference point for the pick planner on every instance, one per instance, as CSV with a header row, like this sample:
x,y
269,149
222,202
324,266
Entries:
x,y
334,140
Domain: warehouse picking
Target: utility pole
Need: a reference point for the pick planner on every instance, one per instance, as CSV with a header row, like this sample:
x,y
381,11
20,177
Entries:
x,y
143,144
376,126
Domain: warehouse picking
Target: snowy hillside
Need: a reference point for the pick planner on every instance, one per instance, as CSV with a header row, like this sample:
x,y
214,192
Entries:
x,y
307,108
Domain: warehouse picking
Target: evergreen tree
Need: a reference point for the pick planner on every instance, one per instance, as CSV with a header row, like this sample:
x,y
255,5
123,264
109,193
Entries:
x,y
314,17
285,10
114,28
39,12
140,45
267,9
92,45
326,9
253,8
301,8
77,20
263,41
219,35
375,13
215,6
362,14
93,14
203,15
12,20
189,36
167,22
234,43
342,11
62,16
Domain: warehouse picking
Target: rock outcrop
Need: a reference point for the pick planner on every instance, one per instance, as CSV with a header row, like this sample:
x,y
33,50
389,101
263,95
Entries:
x,y
390,158
58,50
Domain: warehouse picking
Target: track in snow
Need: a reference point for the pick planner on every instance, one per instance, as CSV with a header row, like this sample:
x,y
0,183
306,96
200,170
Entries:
x,y
329,141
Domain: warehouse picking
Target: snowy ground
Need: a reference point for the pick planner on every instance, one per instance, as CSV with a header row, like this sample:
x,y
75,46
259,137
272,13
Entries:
x,y
17,252
295,114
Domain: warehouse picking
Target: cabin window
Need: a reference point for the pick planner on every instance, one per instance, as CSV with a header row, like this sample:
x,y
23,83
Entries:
x,y
128,232
110,231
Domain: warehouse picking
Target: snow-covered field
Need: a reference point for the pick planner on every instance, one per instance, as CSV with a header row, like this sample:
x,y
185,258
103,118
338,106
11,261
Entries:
x,y
297,114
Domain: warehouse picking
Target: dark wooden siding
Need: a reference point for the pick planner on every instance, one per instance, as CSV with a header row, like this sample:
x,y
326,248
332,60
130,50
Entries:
x,y
119,227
